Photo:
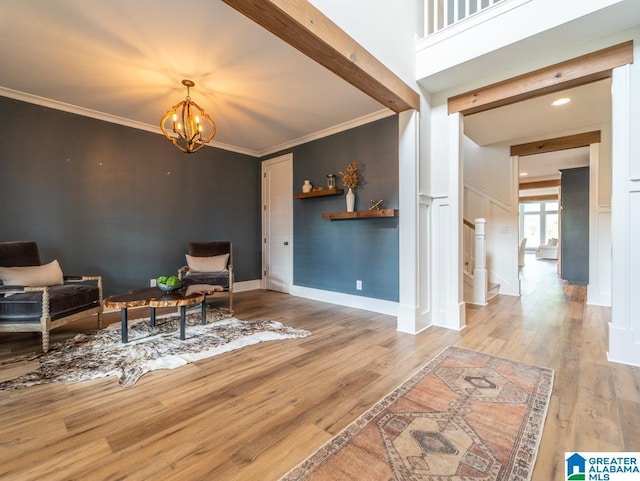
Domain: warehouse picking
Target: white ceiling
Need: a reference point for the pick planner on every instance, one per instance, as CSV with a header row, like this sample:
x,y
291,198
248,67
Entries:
x,y
546,166
126,59
536,119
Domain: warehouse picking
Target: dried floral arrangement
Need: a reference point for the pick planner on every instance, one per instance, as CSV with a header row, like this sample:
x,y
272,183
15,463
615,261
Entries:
x,y
350,177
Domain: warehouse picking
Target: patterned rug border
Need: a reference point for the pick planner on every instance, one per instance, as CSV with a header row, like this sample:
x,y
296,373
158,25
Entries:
x,y
340,440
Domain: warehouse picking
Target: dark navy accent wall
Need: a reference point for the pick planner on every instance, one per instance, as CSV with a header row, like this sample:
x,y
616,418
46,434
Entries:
x,y
121,202
332,255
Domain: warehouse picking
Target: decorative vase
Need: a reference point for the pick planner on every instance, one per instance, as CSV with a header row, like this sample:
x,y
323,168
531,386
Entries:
x,y
306,187
351,200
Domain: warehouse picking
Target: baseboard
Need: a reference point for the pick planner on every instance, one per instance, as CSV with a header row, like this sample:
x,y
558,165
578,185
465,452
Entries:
x,y
348,300
453,317
597,298
623,347
412,320
247,285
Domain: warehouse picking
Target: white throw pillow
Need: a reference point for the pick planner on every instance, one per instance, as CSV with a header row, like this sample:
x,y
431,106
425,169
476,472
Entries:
x,y
33,276
207,264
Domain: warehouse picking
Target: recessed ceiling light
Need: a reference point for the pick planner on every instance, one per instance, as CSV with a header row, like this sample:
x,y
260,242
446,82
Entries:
x,y
524,174
561,101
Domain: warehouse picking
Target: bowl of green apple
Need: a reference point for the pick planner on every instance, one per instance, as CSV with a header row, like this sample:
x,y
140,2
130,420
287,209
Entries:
x,y
169,283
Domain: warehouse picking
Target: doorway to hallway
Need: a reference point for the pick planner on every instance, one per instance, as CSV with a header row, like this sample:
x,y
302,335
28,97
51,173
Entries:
x,y
540,279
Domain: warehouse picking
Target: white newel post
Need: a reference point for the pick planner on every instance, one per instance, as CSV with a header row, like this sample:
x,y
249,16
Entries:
x,y
480,281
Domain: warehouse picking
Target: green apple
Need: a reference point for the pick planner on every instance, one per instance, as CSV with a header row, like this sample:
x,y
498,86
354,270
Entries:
x,y
161,280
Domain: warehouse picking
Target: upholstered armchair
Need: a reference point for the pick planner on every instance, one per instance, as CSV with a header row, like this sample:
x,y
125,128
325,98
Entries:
x,y
36,297
210,263
548,251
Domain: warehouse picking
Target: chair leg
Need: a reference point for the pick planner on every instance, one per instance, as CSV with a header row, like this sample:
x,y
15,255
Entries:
x,y
45,341
99,320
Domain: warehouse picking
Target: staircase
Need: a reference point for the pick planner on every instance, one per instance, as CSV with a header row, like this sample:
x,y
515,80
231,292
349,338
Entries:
x,y
477,288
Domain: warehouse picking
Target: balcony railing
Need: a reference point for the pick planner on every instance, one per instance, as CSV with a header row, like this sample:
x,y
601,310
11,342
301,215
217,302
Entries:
x,y
440,14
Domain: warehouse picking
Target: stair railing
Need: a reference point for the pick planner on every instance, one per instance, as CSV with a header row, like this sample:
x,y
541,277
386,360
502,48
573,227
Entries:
x,y
440,14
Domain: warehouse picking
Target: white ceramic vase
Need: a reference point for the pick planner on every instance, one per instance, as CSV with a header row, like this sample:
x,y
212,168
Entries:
x,y
351,200
306,187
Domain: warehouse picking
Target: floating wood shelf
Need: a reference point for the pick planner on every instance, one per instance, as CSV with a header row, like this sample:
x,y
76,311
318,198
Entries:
x,y
360,214
318,193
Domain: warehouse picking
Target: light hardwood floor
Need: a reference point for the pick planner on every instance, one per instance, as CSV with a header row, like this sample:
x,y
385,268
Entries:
x,y
253,414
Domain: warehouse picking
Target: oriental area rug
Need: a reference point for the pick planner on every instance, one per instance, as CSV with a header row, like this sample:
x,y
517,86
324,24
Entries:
x,y
98,354
465,416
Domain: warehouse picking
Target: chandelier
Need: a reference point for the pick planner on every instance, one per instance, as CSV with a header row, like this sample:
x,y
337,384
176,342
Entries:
x,y
186,124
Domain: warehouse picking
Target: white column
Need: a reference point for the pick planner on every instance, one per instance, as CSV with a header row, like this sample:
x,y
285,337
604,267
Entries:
x,y
409,252
624,330
448,304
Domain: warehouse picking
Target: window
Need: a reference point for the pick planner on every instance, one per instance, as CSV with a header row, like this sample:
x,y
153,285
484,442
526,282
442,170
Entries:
x,y
538,222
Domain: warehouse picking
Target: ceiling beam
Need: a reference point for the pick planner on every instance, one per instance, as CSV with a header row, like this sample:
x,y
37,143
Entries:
x,y
558,143
572,73
541,184
537,198
305,28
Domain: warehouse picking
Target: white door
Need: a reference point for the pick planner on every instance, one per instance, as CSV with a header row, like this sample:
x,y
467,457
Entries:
x,y
277,224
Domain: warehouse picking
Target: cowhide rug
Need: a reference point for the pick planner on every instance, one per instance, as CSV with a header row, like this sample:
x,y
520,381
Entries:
x,y
97,354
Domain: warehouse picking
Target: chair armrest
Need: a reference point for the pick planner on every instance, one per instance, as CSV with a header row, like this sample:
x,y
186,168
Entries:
x,y
36,289
7,289
182,271
22,289
98,280
81,278
72,278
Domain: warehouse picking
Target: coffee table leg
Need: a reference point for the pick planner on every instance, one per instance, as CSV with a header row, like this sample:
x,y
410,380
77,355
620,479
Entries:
x,y
123,325
183,312
204,310
153,317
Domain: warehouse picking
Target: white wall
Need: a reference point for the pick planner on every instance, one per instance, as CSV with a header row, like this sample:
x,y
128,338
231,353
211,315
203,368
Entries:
x,y
488,168
489,193
386,29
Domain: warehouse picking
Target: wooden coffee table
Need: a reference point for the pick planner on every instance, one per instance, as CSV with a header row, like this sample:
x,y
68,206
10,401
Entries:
x,y
153,297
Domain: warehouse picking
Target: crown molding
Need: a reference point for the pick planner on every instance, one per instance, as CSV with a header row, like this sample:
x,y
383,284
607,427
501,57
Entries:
x,y
114,119
75,109
366,119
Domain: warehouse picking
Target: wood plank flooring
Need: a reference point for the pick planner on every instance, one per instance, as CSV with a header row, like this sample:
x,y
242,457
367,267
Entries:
x,y
252,414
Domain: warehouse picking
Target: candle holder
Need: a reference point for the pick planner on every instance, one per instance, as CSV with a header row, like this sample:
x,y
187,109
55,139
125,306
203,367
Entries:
x,y
331,181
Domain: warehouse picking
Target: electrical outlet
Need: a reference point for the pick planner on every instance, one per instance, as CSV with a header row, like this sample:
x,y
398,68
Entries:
x,y
152,283
358,285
